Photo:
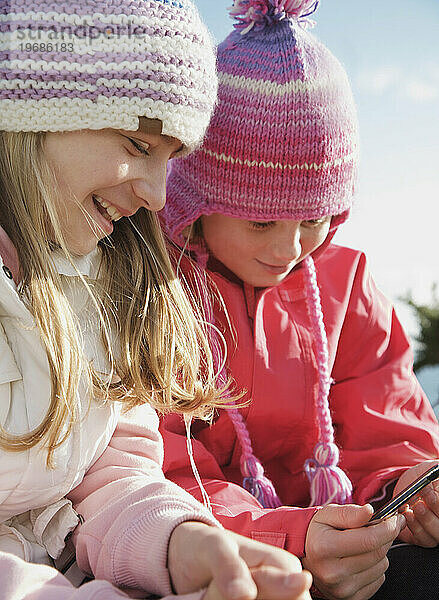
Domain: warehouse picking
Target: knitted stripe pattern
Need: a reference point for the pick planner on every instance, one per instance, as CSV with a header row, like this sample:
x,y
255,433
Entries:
x,y
282,143
92,64
328,482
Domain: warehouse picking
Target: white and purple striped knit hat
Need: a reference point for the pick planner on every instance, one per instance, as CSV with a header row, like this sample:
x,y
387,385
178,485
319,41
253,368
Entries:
x,y
91,64
282,144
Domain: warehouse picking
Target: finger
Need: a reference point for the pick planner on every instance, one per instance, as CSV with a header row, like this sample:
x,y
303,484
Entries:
x,y
414,533
213,592
273,584
406,535
369,590
231,576
365,540
349,516
363,562
257,554
423,525
350,584
431,498
327,537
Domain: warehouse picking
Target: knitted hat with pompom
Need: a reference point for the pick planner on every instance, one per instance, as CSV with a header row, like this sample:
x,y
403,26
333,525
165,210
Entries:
x,y
282,144
93,64
283,140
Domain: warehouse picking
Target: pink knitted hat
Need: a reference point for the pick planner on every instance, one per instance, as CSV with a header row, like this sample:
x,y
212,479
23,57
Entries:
x,y
283,140
282,144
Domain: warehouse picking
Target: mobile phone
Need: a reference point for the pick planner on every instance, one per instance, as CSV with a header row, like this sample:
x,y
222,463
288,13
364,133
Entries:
x,y
403,497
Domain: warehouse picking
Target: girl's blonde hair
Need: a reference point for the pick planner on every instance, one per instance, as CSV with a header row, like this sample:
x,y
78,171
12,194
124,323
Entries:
x,y
163,356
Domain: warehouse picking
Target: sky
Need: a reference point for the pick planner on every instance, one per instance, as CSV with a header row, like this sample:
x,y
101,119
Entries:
x,y
391,53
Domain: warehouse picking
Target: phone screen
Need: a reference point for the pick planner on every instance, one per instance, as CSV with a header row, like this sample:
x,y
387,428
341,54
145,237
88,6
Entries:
x,y
403,497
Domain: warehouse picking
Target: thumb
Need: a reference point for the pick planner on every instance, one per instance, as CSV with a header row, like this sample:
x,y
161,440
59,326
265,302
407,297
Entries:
x,y
348,516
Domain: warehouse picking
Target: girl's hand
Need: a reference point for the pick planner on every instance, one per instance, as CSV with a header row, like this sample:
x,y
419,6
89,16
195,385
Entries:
x,y
233,567
422,516
346,559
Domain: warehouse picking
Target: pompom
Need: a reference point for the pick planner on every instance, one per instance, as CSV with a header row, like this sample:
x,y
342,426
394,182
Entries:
x,y
258,14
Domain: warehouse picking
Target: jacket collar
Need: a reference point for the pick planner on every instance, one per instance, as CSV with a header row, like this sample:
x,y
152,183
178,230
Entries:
x,y
11,303
87,265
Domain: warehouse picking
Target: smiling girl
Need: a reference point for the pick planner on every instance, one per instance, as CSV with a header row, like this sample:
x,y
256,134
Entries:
x,y
103,176
95,329
262,253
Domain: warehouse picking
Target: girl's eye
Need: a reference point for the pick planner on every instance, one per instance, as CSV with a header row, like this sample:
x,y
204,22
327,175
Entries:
x,y
139,147
314,222
261,225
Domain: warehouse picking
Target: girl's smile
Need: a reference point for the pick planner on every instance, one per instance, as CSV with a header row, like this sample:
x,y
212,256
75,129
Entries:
x,y
109,210
277,270
106,175
105,214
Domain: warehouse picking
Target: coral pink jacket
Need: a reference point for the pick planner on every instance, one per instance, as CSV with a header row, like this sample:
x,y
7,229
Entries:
x,y
383,421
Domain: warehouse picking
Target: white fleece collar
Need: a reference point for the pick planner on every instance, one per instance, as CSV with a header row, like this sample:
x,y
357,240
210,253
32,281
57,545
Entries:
x,y
87,265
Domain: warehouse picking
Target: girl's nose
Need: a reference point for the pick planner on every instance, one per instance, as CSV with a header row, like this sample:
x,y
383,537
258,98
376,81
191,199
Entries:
x,y
150,188
288,246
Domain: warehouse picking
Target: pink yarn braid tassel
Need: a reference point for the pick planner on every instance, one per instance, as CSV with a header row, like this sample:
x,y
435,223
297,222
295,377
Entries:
x,y
201,253
328,482
252,470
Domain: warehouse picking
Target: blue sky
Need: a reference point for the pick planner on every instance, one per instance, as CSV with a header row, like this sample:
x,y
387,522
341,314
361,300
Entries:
x,y
391,52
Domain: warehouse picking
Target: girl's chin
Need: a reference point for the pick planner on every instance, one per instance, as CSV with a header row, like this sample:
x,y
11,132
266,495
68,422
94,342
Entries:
x,y
82,248
82,245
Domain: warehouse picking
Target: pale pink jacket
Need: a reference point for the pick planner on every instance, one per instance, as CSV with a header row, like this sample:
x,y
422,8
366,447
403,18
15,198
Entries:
x,y
109,471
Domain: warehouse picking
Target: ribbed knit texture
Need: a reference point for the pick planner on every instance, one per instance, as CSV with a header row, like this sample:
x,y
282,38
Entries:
x,y
92,64
152,529
283,140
